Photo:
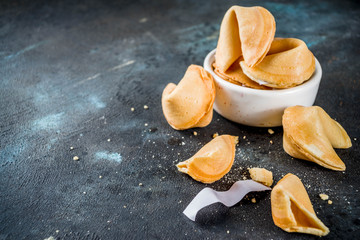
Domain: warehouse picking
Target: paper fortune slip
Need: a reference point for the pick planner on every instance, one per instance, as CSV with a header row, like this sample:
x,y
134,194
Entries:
x,y
229,198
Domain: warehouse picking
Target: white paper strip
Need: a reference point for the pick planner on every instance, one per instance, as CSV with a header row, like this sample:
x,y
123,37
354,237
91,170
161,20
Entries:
x,y
229,198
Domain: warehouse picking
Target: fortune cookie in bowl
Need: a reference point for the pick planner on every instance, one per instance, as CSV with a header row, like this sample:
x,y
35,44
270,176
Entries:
x,y
190,103
287,64
247,32
212,161
292,210
310,134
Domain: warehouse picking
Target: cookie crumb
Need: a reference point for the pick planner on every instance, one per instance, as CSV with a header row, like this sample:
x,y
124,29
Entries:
x,y
50,238
271,131
146,124
100,176
140,184
71,148
228,232
132,109
109,140
329,202
323,196
57,231
146,107
215,135
244,137
75,158
271,142
195,133
253,200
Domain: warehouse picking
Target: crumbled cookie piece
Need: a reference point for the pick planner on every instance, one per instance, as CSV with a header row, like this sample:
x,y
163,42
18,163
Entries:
x,y
323,196
215,135
261,175
271,131
76,158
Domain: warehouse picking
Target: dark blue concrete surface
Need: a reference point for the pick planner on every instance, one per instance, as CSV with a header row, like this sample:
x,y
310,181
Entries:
x,y
70,73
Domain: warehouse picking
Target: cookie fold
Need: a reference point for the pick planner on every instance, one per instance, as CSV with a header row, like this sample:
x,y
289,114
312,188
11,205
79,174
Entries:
x,y
311,134
292,210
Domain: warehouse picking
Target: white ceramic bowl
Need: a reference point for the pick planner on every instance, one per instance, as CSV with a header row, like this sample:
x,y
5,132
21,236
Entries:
x,y
260,108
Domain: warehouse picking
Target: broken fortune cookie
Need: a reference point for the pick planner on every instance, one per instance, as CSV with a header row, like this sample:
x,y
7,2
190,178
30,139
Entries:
x,y
292,210
247,32
212,161
190,103
311,134
261,175
288,63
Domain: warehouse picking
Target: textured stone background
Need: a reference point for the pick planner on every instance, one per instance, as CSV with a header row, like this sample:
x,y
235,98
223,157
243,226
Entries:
x,y
71,72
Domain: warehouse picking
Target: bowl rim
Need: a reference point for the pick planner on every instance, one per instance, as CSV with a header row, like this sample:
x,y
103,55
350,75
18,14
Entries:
x,y
312,82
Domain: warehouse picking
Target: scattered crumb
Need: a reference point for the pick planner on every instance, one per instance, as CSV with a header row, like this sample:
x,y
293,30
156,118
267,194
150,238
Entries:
x,y
50,238
215,135
140,184
195,133
244,137
227,231
100,176
71,148
183,143
132,109
57,231
253,200
271,142
146,124
124,206
84,192
355,139
109,140
146,107
271,131
75,158
323,196
143,20
329,202
244,178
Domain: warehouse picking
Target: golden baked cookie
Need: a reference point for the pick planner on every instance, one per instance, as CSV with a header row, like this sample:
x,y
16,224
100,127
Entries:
x,y
212,161
311,134
292,210
287,64
247,32
190,103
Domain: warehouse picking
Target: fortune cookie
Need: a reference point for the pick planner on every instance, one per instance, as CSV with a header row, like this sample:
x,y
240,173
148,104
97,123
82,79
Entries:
x,y
212,161
292,210
247,32
261,175
190,103
287,64
310,134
